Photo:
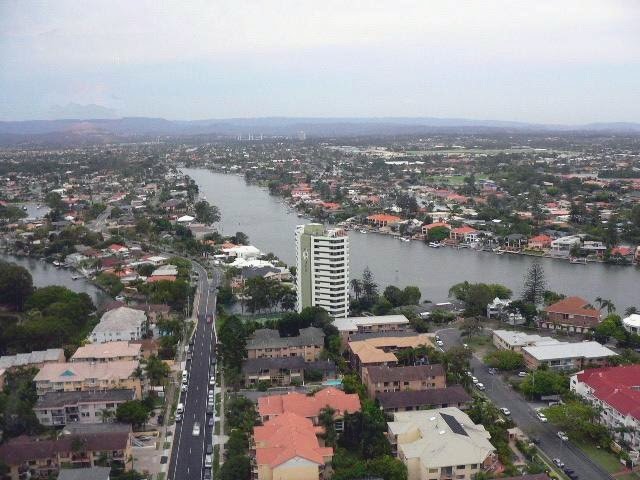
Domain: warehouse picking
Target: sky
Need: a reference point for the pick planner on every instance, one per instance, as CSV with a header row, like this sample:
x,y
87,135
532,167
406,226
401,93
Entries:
x,y
542,61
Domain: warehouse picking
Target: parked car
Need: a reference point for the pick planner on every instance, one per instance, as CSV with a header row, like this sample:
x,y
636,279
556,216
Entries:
x,y
209,449
558,463
178,417
505,411
208,461
522,374
212,380
492,371
480,387
563,436
211,421
440,343
541,416
474,380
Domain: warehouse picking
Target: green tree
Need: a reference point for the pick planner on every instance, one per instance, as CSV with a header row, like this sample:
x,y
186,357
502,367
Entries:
x,y
394,295
438,234
505,360
134,412
206,213
411,295
535,284
326,419
157,370
579,420
16,284
544,382
237,467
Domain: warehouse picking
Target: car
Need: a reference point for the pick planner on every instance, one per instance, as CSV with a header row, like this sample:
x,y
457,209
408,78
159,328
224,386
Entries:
x,y
437,337
492,371
211,421
211,393
464,345
184,387
196,430
469,374
474,380
209,318
212,380
522,374
207,474
542,417
572,475
189,356
178,417
568,470
210,409
480,386
209,449
208,461
440,343
505,411
562,436
558,463
180,408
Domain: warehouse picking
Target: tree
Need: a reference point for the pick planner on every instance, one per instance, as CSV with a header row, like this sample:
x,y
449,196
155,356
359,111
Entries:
x,y
394,295
505,360
237,467
631,311
369,286
382,306
241,238
534,284
206,213
438,234
411,295
157,370
356,286
605,303
16,284
544,382
579,420
133,412
471,326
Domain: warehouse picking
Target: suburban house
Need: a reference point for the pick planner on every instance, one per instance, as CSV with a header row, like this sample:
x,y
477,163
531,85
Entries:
x,y
440,444
107,352
539,242
309,406
267,343
120,324
427,228
383,220
285,371
631,324
286,447
55,409
32,360
464,234
378,323
571,314
408,400
567,356
42,458
514,340
84,376
399,379
616,391
379,350
561,247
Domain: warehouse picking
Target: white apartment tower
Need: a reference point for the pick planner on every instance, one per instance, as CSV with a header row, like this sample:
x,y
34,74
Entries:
x,y
322,262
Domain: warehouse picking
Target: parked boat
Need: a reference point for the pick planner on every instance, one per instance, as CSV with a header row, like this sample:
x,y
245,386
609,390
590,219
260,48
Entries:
x,y
405,239
363,231
434,245
578,261
75,277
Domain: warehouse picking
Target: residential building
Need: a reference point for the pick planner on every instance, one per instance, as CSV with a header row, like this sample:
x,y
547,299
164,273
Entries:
x,y
539,242
427,228
561,247
408,400
309,406
60,408
381,220
80,446
464,234
377,323
616,392
399,379
32,360
322,277
84,376
632,323
267,343
571,314
567,356
89,473
285,371
286,447
440,444
107,352
379,350
513,340
120,324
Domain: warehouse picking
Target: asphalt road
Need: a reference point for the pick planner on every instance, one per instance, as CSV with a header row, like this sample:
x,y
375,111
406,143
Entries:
x,y
187,459
523,414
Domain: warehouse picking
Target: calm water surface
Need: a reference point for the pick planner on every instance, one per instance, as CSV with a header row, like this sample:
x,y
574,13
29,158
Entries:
x,y
270,227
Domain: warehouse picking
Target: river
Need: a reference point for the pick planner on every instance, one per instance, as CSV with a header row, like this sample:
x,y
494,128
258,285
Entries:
x,y
270,226
45,274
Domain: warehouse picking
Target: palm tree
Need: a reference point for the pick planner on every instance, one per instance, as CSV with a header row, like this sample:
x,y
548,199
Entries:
x,y
106,415
631,311
605,303
356,286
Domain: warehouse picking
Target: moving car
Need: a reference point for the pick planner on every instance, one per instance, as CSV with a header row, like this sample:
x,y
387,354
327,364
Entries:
x,y
563,436
196,430
558,463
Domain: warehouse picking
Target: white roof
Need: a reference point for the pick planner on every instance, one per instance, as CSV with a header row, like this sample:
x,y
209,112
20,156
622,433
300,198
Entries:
x,y
186,218
166,270
120,319
352,323
632,320
569,350
32,358
521,339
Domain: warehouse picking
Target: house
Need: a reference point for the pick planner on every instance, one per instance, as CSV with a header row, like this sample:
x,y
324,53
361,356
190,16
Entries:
x,y
119,324
561,247
286,447
427,228
571,314
379,350
464,234
60,408
383,220
398,379
377,323
309,406
515,341
440,444
515,241
266,343
80,446
34,359
616,393
285,371
567,356
88,473
631,324
409,400
107,352
539,242
84,376
497,308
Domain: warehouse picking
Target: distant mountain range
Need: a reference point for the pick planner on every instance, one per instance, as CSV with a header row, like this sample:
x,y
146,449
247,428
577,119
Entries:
x,y
118,129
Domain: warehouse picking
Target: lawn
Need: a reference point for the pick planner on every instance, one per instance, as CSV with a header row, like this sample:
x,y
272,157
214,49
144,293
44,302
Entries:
x,y
604,458
629,476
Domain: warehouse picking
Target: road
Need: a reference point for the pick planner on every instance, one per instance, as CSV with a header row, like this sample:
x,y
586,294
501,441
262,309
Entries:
x,y
524,416
187,458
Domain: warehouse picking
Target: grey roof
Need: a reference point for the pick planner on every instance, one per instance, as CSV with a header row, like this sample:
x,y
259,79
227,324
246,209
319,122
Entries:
x,y
33,358
404,374
120,319
569,350
356,337
321,366
425,398
61,399
253,365
267,338
91,428
92,473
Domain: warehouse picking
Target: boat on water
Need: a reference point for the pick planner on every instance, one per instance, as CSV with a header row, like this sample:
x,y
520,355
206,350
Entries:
x,y
434,245
405,239
363,231
578,261
75,277
499,252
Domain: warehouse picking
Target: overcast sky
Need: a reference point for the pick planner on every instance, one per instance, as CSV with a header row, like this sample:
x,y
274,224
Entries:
x,y
567,61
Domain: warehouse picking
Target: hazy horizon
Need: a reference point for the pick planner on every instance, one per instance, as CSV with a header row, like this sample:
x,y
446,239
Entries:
x,y
544,62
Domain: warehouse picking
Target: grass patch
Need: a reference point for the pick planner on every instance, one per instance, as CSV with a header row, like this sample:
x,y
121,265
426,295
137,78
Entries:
x,y
629,476
161,476
604,458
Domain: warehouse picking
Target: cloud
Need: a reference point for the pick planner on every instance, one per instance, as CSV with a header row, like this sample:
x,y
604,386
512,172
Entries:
x,y
76,110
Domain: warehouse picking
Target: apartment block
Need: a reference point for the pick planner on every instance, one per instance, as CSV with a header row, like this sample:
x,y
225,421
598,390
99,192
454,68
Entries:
x,y
267,343
377,379
374,324
55,409
108,352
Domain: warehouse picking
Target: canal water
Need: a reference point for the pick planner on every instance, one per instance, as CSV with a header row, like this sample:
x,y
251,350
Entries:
x,y
270,226
45,274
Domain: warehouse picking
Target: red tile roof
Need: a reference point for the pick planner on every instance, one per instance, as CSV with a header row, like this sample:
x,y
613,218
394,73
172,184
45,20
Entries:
x,y
463,230
307,406
383,217
573,306
616,386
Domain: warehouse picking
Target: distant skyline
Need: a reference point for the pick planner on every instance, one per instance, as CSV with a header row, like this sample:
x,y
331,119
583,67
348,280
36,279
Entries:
x,y
542,61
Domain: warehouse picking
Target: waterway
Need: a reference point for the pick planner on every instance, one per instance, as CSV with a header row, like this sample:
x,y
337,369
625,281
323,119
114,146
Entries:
x,y
45,274
270,226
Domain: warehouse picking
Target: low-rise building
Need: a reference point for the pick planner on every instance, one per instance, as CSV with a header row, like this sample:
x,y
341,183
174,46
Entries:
x,y
616,391
267,343
120,324
567,356
80,446
399,379
379,350
408,400
285,371
32,360
632,323
55,409
571,314
379,323
107,352
440,444
515,341
84,376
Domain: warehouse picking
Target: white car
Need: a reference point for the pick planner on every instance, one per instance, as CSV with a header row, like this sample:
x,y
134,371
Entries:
x,y
480,386
212,380
563,436
440,343
178,417
184,387
522,374
542,417
505,411
196,430
474,380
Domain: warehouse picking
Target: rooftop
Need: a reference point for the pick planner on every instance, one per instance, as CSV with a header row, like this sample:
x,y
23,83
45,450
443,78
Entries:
x,y
616,386
421,398
352,323
569,350
521,339
61,399
573,306
81,371
404,374
309,406
91,473
32,358
118,319
106,350
268,338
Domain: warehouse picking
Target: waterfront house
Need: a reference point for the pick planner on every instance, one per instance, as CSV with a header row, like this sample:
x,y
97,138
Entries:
x,y
464,234
632,323
567,356
55,409
561,247
571,314
378,379
539,242
266,343
383,220
515,341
